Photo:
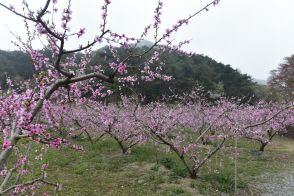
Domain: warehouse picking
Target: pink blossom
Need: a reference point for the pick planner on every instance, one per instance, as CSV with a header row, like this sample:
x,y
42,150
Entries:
x,y
98,39
107,2
12,7
66,18
67,11
109,92
32,187
70,134
112,65
58,187
9,82
6,145
3,172
34,131
104,16
175,28
81,32
30,14
47,135
63,25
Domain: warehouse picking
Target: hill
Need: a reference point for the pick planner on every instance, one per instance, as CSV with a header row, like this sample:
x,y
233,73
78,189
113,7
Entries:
x,y
186,72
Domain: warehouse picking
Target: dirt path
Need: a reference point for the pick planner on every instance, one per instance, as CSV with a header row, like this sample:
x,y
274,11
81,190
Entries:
x,y
278,184
274,184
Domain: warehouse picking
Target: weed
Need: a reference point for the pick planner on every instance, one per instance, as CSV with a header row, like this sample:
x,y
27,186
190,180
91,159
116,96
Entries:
x,y
225,181
168,162
170,181
223,178
160,180
208,142
202,188
214,144
177,181
178,190
152,177
155,167
179,171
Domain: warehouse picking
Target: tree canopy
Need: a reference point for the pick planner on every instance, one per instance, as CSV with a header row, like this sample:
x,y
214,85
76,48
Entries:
x,y
281,80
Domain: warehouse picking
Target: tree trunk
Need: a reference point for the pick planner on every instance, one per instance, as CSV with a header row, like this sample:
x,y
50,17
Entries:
x,y
262,146
193,174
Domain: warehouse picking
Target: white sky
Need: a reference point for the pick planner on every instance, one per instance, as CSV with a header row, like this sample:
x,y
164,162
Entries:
x,y
251,35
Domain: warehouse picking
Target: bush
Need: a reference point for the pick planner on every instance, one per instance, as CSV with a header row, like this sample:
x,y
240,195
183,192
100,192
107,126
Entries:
x,y
168,162
225,181
177,170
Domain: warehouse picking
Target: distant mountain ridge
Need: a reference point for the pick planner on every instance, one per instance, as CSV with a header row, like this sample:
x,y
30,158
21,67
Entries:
x,y
260,81
145,43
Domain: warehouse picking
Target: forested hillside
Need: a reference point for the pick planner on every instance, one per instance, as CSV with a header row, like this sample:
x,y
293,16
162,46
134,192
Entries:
x,y
16,65
186,72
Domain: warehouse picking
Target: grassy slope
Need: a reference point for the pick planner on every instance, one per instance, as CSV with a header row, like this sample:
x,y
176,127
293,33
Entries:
x,y
103,170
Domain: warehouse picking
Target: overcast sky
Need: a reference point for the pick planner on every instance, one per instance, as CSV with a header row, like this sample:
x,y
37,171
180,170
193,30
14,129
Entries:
x,y
251,35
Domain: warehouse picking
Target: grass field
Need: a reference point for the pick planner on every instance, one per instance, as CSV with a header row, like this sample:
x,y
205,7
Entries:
x,y
104,170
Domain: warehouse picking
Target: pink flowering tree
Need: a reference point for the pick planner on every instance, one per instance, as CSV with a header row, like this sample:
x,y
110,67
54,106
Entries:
x,y
264,121
97,119
183,128
196,130
60,79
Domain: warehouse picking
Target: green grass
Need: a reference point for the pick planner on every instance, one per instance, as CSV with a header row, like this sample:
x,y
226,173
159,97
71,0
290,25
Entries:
x,y
104,170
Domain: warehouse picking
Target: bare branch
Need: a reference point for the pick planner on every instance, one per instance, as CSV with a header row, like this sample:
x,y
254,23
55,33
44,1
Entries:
x,y
25,17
